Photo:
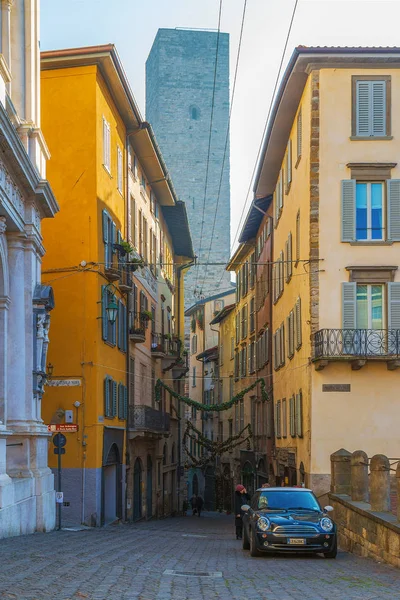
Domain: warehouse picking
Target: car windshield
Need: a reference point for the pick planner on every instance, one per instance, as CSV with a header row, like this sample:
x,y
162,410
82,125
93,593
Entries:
x,y
280,500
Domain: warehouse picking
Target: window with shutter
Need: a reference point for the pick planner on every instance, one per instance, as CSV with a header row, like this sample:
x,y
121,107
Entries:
x,y
281,272
252,315
284,418
278,419
299,333
281,179
237,328
299,414
299,135
289,258
104,319
297,238
393,209
114,399
371,107
194,377
349,299
292,416
394,318
290,334
266,345
286,264
120,401
106,145
348,210
289,166
107,396
119,170
282,345
238,286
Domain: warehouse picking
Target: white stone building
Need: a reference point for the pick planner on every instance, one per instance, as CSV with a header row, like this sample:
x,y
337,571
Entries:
x,y
27,501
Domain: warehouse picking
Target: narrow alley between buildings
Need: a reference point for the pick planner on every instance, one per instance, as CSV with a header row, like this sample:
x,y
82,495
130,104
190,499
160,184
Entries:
x,y
183,558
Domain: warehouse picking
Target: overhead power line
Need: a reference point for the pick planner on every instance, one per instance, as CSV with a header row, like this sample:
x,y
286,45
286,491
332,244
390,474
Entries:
x,y
210,133
265,126
226,139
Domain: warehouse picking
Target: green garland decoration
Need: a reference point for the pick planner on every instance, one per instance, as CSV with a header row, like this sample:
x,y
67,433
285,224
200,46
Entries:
x,y
212,407
206,441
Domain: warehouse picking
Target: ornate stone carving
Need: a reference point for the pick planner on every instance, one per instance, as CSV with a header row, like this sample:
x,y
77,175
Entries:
x,y
10,189
3,225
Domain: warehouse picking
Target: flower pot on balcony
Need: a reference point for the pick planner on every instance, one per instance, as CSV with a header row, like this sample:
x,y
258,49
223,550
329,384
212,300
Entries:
x,y
137,335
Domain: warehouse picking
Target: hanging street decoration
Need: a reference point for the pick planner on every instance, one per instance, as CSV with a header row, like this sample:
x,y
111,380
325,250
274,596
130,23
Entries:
x,y
212,407
212,449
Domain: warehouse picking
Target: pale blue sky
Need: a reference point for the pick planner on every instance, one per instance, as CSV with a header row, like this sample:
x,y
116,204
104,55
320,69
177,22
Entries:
x,y
132,25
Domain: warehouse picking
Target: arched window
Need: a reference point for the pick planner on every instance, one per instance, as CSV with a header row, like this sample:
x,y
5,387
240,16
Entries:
x,y
194,113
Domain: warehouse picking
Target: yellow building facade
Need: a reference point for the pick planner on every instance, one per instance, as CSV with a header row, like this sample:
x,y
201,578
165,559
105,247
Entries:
x,y
107,294
332,169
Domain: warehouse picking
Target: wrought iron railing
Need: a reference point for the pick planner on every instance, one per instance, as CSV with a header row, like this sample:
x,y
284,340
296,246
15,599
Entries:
x,y
157,342
169,345
145,417
137,326
365,343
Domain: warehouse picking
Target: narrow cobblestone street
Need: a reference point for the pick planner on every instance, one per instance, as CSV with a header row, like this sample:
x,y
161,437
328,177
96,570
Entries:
x,y
126,562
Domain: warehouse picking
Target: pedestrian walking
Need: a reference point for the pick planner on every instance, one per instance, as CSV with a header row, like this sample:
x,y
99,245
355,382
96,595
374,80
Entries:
x,y
199,505
241,497
193,504
185,506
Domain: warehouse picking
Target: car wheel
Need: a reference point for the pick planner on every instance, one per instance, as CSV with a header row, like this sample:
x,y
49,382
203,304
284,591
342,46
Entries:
x,y
245,540
332,553
253,547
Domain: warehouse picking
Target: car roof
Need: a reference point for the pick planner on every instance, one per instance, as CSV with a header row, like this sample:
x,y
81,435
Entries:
x,y
283,489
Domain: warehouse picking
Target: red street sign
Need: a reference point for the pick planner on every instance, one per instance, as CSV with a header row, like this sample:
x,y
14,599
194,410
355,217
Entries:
x,y
63,428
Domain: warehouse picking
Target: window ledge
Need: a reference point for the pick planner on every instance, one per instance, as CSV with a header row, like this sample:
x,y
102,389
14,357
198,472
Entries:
x,y
372,243
356,138
107,170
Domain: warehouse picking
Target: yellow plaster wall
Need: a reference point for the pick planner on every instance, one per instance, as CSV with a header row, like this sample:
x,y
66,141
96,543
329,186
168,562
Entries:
x,y
367,417
73,103
295,374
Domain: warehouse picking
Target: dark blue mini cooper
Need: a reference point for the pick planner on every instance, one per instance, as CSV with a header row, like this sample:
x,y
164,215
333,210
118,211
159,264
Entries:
x,y
288,520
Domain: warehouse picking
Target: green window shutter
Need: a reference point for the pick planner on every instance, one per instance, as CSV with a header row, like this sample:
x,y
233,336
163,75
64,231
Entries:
x,y
393,209
104,320
378,93
394,305
114,399
119,321
299,414
349,309
348,210
363,108
125,402
105,226
107,399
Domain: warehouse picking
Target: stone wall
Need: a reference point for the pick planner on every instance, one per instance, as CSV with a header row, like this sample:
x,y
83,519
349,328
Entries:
x,y
376,535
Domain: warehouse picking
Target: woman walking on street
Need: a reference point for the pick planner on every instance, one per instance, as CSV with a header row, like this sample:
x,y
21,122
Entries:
x,y
241,497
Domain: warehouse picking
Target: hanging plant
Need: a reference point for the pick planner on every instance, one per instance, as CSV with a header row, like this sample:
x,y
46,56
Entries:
x,y
193,325
146,315
200,321
135,263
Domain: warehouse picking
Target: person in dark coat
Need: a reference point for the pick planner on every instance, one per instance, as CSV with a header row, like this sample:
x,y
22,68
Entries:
x,y
241,497
199,505
193,502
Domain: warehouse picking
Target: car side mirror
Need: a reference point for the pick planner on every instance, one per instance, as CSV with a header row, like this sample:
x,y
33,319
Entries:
x,y
245,508
328,508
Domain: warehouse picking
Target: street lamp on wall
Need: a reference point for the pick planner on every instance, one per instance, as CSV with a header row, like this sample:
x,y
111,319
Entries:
x,y
112,310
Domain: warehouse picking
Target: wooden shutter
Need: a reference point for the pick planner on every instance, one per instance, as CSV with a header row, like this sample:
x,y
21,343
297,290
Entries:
x,y
349,298
299,336
291,417
286,264
299,414
104,320
120,401
297,238
114,237
394,305
106,398
281,190
282,344
278,419
363,108
105,226
284,418
393,209
113,326
125,414
289,163
289,257
378,93
348,210
114,399
238,286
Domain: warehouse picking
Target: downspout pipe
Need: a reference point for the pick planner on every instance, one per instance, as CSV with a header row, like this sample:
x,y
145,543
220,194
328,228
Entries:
x,y
128,386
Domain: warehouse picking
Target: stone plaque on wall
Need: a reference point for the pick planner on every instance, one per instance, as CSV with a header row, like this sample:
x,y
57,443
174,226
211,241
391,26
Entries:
x,y
336,387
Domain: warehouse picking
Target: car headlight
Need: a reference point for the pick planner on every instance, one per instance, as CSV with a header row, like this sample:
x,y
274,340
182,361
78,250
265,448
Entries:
x,y
326,524
263,523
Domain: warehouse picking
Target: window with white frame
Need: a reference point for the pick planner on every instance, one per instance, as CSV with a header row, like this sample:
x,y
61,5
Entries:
x,y
106,145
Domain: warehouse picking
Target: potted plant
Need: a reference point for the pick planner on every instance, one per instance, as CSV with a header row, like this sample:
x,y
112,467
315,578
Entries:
x,y
123,248
193,325
146,315
167,336
135,263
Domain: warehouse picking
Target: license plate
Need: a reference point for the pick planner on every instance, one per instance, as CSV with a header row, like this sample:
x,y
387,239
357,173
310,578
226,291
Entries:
x,y
297,541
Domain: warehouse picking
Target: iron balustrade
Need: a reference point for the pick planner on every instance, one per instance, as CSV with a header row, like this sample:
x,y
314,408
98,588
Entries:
x,y
362,343
144,417
170,346
137,326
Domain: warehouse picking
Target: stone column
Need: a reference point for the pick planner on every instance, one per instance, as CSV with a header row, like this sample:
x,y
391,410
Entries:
x,y
341,472
359,476
6,34
16,391
380,483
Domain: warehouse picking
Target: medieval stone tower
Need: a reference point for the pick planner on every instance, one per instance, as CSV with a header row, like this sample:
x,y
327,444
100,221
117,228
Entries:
x,y
180,94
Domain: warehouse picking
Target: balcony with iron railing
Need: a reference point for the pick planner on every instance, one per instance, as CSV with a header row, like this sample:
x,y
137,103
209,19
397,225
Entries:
x,y
137,329
142,418
356,346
